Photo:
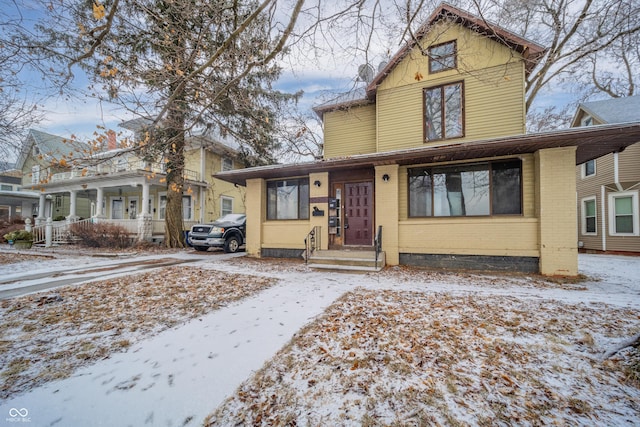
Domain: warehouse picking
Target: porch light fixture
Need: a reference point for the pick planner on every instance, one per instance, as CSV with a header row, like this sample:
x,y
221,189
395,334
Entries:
x,y
385,177
317,183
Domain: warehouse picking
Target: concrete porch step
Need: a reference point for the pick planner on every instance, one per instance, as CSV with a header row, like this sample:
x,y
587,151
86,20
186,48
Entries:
x,y
347,260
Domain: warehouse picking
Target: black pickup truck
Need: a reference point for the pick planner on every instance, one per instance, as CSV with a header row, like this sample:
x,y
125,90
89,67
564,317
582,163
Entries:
x,y
227,232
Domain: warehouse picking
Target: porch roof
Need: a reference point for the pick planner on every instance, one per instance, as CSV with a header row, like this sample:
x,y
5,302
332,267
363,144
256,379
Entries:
x,y
591,142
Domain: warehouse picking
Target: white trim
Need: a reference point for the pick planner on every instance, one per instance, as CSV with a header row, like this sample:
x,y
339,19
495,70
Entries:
x,y
113,199
222,199
616,171
603,217
128,213
583,169
612,213
583,216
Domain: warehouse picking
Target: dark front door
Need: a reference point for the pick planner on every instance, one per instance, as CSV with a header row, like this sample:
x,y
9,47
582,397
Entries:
x,y
358,207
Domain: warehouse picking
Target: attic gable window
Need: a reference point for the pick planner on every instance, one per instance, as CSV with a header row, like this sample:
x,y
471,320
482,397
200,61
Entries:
x,y
442,57
443,112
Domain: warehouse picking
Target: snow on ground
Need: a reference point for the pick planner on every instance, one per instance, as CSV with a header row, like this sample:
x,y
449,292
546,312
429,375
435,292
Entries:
x,y
405,346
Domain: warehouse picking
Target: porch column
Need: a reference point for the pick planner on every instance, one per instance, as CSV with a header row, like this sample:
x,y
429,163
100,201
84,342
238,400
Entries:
x,y
557,211
145,225
99,199
387,205
256,214
41,209
72,206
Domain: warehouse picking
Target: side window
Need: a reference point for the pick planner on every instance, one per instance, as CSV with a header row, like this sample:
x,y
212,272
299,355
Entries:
x,y
442,57
443,112
589,168
227,164
589,217
226,206
623,214
35,174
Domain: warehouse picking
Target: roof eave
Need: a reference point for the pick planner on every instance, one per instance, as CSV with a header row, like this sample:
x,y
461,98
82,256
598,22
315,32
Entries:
x,y
591,142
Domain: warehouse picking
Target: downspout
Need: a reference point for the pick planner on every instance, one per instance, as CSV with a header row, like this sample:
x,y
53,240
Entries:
x,y
616,171
603,210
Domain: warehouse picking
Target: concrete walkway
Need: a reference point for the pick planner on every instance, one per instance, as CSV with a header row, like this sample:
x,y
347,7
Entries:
x,y
179,376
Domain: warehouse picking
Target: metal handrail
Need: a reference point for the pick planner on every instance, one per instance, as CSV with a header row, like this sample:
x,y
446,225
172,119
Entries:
x,y
378,244
311,243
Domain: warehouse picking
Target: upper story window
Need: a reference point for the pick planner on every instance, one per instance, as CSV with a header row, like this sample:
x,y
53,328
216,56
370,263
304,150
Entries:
x,y
466,190
288,199
587,121
227,164
35,174
589,168
442,57
6,187
443,112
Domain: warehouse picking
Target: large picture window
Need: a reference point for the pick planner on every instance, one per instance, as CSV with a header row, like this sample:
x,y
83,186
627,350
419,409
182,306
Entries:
x,y
466,190
443,112
288,199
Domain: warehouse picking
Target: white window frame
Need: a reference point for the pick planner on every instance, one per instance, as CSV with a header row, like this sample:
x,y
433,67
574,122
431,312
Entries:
x,y
35,174
612,213
223,199
584,169
188,205
587,121
227,164
583,216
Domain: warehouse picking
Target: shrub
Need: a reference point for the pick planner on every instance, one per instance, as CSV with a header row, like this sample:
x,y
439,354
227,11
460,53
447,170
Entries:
x,y
19,235
101,235
11,224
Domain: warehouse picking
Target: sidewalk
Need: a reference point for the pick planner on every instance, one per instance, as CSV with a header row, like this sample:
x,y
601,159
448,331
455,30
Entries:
x,y
179,376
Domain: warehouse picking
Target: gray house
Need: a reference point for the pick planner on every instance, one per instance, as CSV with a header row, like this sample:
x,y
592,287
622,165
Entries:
x,y
608,187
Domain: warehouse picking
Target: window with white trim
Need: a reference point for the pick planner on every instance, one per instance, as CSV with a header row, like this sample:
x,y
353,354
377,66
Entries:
x,y
226,205
589,216
35,174
623,214
187,207
227,164
589,168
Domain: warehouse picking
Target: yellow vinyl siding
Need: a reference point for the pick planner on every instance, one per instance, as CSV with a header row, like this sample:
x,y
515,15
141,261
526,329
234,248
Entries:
x,y
350,132
474,52
493,102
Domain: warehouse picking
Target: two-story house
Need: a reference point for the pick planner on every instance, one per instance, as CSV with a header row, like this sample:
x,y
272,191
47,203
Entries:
x,y
608,186
433,163
117,186
15,203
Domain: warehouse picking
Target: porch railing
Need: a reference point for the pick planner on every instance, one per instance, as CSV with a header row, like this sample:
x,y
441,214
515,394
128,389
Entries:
x,y
120,165
377,243
311,242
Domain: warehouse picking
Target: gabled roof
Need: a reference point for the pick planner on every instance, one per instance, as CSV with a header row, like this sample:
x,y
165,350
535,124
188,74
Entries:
x,y
531,51
591,142
47,144
614,110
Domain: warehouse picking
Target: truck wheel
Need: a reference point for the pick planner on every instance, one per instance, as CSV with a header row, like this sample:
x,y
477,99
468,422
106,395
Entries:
x,y
201,248
231,245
